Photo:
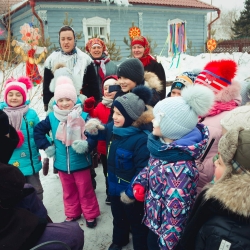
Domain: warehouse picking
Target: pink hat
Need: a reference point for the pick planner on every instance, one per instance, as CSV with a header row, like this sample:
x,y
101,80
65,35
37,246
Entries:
x,y
65,89
22,84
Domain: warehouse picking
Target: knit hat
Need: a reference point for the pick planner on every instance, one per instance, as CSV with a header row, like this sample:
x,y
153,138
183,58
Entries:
x,y
143,42
21,84
4,123
180,82
110,80
178,116
65,89
133,104
217,75
60,69
132,69
95,41
234,149
238,117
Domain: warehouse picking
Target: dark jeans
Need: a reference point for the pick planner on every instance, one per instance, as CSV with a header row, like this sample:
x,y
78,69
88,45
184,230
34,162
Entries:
x,y
126,217
152,241
105,170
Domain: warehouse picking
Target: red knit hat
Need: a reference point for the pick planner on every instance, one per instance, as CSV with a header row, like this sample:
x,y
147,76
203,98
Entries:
x,y
217,75
22,84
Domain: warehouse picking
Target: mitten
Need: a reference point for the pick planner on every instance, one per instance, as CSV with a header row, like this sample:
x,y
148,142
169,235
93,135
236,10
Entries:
x,y
45,107
80,146
89,102
45,166
139,192
93,125
50,151
125,199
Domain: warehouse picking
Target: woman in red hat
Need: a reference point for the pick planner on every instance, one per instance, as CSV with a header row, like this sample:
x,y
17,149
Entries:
x,y
141,50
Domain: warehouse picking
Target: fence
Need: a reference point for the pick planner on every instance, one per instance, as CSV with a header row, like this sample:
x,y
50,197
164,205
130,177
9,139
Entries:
x,y
230,46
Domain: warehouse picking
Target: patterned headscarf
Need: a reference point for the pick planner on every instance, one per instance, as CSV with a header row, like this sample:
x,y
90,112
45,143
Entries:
x,y
95,41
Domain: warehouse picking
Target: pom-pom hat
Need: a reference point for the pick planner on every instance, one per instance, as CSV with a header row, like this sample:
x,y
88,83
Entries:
x,y
110,80
21,84
178,116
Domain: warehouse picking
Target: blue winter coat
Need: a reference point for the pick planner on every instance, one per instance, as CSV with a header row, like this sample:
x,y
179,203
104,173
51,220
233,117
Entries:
x,y
27,158
66,159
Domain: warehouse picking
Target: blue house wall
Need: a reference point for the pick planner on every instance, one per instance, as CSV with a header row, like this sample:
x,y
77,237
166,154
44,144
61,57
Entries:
x,y
154,22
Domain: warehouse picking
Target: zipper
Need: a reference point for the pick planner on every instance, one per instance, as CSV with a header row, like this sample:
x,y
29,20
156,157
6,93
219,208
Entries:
x,y
207,150
28,135
68,159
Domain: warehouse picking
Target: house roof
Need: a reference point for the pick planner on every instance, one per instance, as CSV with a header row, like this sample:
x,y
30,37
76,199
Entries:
x,y
6,4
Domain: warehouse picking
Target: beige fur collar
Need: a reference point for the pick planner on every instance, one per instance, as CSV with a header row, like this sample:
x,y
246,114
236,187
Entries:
x,y
232,191
146,117
152,81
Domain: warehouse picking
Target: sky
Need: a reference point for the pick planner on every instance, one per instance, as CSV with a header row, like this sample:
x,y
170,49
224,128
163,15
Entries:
x,y
226,4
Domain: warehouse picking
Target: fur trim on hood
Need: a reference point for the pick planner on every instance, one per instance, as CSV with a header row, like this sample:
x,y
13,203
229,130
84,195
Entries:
x,y
145,118
232,191
232,92
152,81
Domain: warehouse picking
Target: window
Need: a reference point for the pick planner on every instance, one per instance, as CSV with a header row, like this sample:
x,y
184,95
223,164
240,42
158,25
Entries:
x,y
96,26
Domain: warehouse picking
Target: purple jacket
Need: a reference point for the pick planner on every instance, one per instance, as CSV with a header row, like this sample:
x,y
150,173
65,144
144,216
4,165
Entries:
x,y
170,180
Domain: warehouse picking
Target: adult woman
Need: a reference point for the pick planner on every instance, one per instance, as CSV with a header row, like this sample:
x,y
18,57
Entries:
x,y
141,50
103,66
75,60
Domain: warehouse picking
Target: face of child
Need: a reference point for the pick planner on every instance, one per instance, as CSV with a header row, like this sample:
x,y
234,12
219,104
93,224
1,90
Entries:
x,y
175,93
65,104
138,51
67,41
96,51
107,94
156,129
14,98
118,118
126,84
220,168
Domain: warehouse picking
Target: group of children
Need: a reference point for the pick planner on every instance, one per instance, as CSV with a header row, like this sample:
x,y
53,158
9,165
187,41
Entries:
x,y
149,156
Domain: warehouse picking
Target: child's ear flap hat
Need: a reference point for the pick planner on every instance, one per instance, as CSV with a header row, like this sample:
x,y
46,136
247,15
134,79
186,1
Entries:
x,y
178,116
218,76
21,84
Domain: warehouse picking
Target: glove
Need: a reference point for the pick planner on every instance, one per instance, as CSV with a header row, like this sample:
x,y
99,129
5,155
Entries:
x,y
93,125
139,192
89,102
125,199
50,151
45,107
45,166
80,146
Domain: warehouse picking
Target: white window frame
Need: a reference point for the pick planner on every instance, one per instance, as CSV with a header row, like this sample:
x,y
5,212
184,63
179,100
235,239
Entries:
x,y
95,23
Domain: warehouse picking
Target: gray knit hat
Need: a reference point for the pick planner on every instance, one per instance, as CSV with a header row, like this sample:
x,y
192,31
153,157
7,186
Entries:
x,y
133,104
132,69
178,116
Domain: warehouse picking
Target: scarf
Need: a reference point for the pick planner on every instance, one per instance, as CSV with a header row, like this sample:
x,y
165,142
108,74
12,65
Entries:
x,y
219,107
72,52
15,115
102,68
107,102
146,60
71,126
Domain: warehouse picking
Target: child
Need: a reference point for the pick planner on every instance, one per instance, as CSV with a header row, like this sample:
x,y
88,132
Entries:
x,y
26,156
102,112
178,84
70,150
127,155
220,218
170,179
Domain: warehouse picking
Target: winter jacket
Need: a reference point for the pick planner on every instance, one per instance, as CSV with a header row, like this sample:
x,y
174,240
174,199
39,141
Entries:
x,y
220,217
80,64
111,69
66,159
20,229
102,113
27,157
170,181
158,69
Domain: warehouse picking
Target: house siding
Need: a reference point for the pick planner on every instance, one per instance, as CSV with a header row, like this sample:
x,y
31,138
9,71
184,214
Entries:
x,y
155,22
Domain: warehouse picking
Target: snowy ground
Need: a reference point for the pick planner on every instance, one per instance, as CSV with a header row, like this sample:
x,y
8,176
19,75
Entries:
x,y
98,238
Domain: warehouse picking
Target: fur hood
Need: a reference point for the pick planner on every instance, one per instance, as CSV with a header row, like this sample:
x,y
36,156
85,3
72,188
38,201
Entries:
x,y
146,117
232,191
152,81
230,93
